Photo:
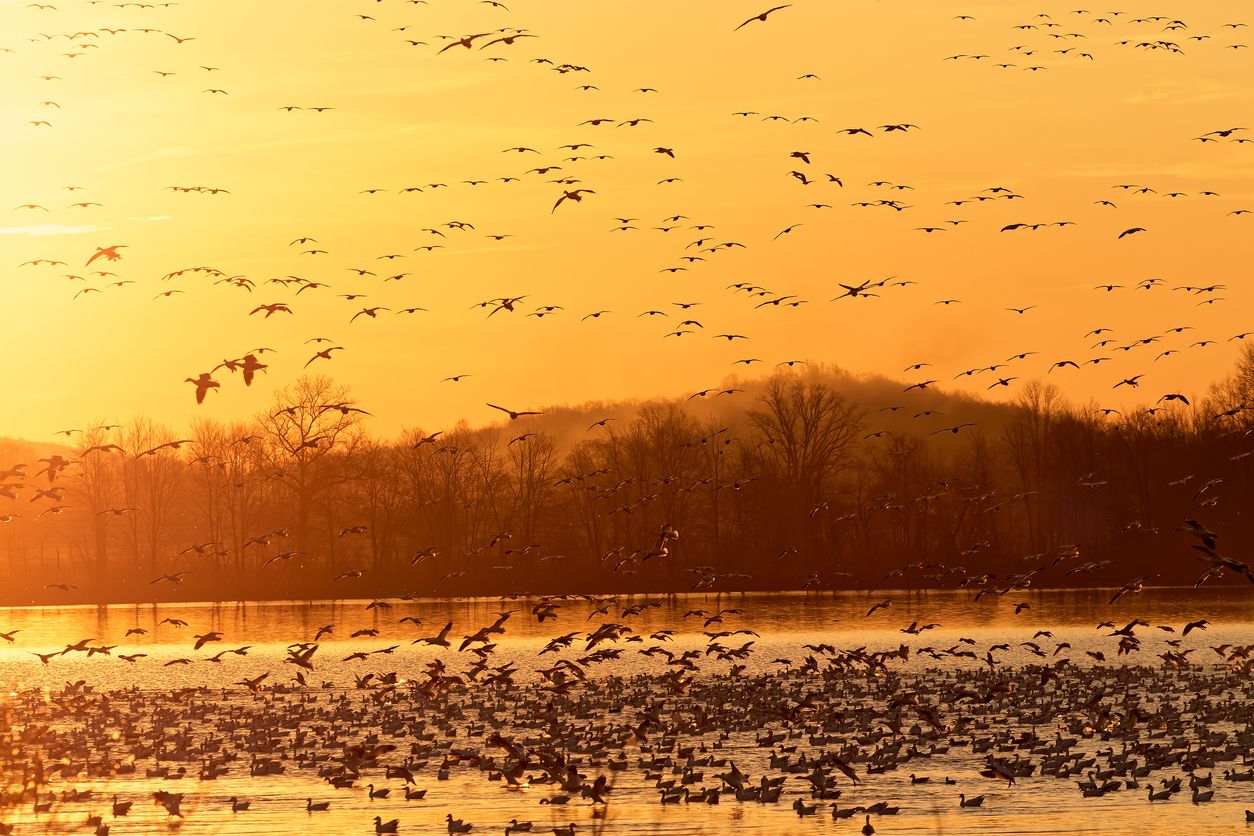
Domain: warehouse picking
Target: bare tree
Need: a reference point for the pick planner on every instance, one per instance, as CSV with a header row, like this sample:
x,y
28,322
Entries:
x,y
151,481
809,430
97,487
532,465
310,436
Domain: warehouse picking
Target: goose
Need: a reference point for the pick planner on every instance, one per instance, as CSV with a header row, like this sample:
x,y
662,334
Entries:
x,y
568,830
414,795
172,802
803,810
383,793
1202,797
237,805
457,825
1160,795
438,640
963,801
381,826
321,806
516,826
868,828
838,813
121,808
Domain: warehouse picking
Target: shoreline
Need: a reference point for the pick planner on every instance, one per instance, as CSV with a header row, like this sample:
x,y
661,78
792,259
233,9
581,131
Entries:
x,y
1233,588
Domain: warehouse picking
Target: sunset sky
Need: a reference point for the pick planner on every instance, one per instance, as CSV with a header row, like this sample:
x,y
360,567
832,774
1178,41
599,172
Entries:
x,y
1063,137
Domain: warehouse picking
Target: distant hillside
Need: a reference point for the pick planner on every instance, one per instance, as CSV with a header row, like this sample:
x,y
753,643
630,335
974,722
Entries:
x,y
886,404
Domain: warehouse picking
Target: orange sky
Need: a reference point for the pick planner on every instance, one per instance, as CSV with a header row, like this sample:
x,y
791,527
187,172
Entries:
x,y
1062,137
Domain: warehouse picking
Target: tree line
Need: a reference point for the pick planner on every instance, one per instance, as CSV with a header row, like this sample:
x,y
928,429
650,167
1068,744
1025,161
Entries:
x,y
809,479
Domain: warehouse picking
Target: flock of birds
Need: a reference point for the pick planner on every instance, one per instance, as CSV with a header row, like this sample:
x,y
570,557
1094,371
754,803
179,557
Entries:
x,y
714,724
709,721
315,269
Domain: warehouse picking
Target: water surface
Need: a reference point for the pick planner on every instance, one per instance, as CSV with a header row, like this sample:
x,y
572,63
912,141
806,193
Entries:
x,y
783,624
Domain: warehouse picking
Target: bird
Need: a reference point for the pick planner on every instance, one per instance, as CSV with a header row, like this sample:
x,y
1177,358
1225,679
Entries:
x,y
879,606
1134,585
203,383
457,825
513,415
762,16
438,640
954,429
575,195
324,354
109,253
175,578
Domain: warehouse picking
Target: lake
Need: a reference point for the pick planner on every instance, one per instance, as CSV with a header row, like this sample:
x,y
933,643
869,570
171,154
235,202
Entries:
x,y
840,702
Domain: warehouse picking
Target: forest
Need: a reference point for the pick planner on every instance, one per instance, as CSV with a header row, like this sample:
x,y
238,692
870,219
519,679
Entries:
x,y
810,478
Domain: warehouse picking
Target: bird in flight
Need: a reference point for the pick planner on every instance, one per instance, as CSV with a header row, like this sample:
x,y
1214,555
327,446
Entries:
x,y
761,17
325,354
575,195
107,253
203,384
513,415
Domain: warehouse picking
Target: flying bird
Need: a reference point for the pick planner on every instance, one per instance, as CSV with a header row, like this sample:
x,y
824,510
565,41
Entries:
x,y
761,17
575,195
513,415
107,253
